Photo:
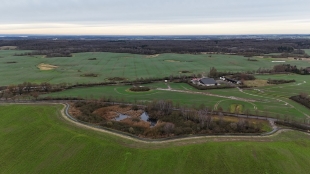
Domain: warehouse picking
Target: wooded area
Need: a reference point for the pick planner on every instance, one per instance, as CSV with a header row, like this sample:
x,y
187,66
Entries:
x,y
246,47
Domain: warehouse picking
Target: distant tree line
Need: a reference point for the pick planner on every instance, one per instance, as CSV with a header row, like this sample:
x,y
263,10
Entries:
x,y
284,68
246,47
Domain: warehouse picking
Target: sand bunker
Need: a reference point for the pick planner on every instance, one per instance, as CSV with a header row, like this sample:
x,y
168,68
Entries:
x,y
8,48
172,61
46,67
152,56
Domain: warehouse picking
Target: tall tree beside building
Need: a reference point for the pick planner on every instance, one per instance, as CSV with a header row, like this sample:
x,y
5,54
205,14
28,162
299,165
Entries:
x,y
213,72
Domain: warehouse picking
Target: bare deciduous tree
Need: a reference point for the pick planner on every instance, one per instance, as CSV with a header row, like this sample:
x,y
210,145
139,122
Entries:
x,y
168,128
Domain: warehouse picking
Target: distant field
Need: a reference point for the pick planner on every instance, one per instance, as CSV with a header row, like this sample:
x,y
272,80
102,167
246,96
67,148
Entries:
x,y
307,51
130,66
36,139
266,99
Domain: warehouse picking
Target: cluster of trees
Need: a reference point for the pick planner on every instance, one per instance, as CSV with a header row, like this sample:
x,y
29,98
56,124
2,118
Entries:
x,y
201,120
33,89
284,68
253,60
172,120
87,109
280,81
242,76
213,73
291,69
139,88
247,47
302,98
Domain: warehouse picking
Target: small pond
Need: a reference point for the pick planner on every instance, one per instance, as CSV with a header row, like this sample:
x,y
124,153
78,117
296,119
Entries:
x,y
144,117
121,117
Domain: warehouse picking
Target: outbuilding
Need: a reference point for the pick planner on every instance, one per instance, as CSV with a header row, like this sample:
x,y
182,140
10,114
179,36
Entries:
x,y
208,82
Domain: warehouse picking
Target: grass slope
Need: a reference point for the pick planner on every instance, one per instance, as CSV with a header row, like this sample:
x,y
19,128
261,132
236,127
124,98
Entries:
x,y
36,139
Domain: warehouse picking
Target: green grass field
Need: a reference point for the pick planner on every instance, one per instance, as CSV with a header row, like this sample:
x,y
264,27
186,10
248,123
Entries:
x,y
267,98
130,66
36,139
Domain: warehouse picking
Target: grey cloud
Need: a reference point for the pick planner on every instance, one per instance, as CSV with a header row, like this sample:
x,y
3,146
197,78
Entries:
x,y
150,11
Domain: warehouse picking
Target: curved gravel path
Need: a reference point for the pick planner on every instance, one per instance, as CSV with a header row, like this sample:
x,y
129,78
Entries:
x,y
65,114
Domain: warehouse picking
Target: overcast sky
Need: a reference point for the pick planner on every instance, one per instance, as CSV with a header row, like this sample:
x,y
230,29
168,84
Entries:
x,y
154,17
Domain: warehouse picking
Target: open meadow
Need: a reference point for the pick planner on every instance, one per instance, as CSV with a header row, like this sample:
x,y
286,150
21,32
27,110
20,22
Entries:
x,y
18,69
36,139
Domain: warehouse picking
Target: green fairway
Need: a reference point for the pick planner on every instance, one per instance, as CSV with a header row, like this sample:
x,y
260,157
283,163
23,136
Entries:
x,y
36,139
130,66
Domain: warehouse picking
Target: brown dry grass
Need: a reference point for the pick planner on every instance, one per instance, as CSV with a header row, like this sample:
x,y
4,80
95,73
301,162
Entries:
x,y
256,83
235,119
133,113
73,111
46,67
111,112
142,124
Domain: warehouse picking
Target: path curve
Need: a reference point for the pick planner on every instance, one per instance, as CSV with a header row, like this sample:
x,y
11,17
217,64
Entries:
x,y
69,118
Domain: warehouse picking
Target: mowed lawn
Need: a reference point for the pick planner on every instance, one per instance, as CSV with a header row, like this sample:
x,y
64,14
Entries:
x,y
130,66
36,139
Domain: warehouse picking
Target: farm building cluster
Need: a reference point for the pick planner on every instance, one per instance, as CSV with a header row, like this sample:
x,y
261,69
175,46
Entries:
x,y
204,81
238,82
212,82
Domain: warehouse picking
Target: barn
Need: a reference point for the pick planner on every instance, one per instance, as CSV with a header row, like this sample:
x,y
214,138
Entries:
x,y
208,82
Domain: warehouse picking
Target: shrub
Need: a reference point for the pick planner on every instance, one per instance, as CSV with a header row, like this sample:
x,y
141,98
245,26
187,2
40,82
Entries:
x,y
136,120
270,81
139,89
134,107
89,75
131,130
